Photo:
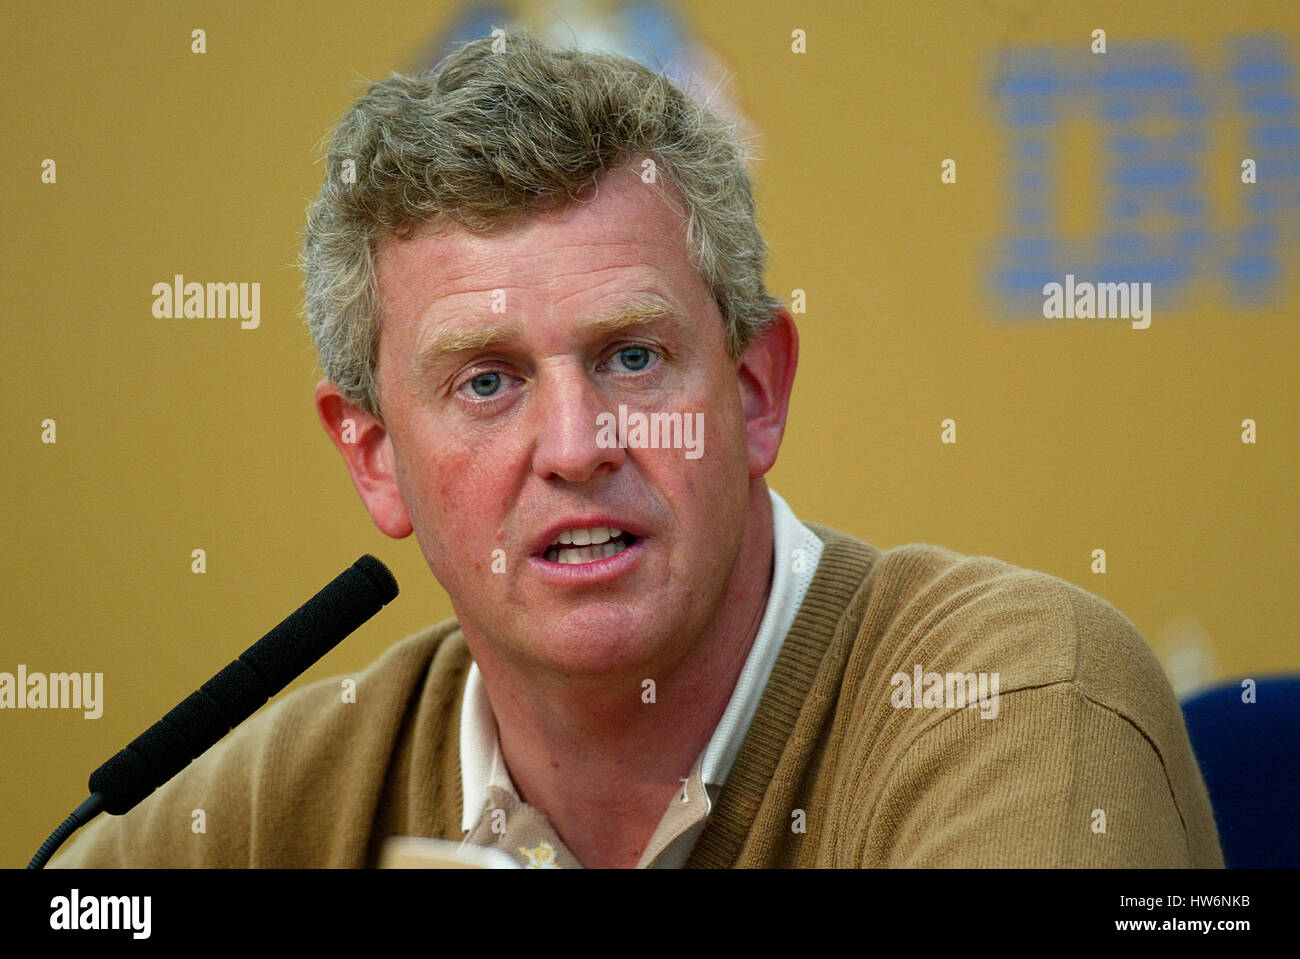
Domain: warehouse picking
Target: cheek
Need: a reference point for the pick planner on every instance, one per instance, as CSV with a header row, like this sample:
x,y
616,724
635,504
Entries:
x,y
730,437
457,497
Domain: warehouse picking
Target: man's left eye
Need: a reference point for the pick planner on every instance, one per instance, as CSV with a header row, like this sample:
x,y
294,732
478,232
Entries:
x,y
486,384
635,358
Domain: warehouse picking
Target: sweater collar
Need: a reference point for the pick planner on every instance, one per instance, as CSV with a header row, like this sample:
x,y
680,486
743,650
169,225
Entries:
x,y
798,701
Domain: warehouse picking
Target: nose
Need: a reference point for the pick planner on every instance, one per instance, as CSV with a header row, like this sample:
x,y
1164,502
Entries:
x,y
565,422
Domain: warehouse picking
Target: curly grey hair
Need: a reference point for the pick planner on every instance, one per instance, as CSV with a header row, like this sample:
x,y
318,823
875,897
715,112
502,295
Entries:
x,y
486,138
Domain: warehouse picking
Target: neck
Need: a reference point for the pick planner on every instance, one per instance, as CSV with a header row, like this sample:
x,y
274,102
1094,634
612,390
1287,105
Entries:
x,y
601,765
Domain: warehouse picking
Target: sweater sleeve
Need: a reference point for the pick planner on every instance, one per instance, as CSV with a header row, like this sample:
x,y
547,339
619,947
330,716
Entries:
x,y
197,819
298,785
1084,761
253,800
1054,780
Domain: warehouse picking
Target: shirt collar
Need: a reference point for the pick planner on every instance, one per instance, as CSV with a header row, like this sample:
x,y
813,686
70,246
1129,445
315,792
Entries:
x,y
796,551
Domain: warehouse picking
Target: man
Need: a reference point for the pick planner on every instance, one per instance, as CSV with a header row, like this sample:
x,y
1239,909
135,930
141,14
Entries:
x,y
536,283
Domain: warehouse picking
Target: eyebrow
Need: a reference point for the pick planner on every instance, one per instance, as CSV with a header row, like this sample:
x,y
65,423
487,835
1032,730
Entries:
x,y
636,312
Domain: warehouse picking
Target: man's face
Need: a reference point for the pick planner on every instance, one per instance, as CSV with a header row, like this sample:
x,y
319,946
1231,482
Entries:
x,y
497,356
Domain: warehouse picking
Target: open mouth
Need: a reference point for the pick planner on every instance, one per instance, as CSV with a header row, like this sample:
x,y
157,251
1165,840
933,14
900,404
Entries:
x,y
576,546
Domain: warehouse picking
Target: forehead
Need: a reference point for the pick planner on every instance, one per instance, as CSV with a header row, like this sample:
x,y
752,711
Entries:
x,y
628,237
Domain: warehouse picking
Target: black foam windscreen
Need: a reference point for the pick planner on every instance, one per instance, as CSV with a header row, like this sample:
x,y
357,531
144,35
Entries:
x,y
235,693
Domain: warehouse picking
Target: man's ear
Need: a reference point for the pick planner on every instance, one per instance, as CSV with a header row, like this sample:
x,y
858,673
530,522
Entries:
x,y
766,377
368,452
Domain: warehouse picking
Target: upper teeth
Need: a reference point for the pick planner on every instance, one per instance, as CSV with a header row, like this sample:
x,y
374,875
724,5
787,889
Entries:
x,y
579,546
589,537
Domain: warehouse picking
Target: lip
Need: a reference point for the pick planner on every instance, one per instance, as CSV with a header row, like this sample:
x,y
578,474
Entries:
x,y
538,550
589,574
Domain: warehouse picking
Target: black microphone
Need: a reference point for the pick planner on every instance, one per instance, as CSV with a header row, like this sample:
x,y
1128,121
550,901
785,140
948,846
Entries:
x,y
231,696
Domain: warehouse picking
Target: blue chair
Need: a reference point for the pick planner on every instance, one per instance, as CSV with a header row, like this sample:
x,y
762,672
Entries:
x,y
1249,754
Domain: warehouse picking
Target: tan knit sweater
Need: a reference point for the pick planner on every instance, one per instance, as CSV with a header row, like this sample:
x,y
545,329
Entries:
x,y
1085,763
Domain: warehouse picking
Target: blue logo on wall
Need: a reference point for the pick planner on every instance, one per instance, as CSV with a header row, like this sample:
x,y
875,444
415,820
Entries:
x,y
1154,114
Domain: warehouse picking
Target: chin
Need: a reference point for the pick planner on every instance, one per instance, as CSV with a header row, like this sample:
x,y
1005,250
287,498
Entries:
x,y
592,645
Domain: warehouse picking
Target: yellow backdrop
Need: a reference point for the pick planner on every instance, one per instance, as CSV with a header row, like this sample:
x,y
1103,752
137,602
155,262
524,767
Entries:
x,y
175,435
